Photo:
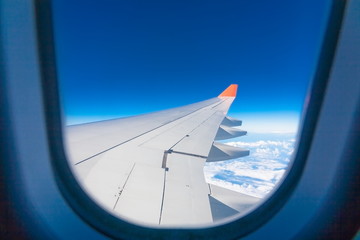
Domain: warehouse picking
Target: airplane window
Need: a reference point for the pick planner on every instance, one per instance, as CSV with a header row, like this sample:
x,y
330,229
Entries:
x,y
157,78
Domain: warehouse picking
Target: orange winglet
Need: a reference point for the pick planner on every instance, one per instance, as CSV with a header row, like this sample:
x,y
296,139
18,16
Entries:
x,y
230,91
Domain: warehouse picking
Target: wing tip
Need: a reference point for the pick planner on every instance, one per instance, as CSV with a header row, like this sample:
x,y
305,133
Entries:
x,y
230,91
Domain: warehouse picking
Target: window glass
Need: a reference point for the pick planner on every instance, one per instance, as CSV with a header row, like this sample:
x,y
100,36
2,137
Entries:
x,y
119,59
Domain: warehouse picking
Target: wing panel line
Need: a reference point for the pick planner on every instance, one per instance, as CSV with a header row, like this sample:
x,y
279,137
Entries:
x,y
221,102
162,199
142,134
122,189
188,154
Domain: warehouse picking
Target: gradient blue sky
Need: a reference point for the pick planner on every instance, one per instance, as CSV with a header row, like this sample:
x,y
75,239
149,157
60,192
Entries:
x,y
120,58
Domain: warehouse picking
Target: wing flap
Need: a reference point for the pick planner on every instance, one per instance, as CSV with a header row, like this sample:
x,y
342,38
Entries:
x,y
141,197
235,200
186,192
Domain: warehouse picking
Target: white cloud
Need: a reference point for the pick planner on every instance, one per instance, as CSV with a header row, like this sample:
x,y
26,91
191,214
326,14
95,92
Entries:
x,y
256,174
284,144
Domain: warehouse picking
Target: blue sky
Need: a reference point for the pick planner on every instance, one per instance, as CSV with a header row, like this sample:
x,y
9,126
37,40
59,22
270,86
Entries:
x,y
121,58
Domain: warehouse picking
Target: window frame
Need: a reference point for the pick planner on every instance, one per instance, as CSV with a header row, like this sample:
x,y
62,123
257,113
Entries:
x,y
115,227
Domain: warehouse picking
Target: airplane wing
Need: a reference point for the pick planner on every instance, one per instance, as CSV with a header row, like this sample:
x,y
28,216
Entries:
x,y
149,168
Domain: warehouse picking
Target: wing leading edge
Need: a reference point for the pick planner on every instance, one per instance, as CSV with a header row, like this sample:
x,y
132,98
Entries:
x,y
149,168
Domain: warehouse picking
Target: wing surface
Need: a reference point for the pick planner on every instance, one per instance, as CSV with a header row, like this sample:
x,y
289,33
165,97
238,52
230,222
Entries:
x,y
149,168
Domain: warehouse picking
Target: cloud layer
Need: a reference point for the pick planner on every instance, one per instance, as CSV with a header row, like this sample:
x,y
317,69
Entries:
x,y
257,174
